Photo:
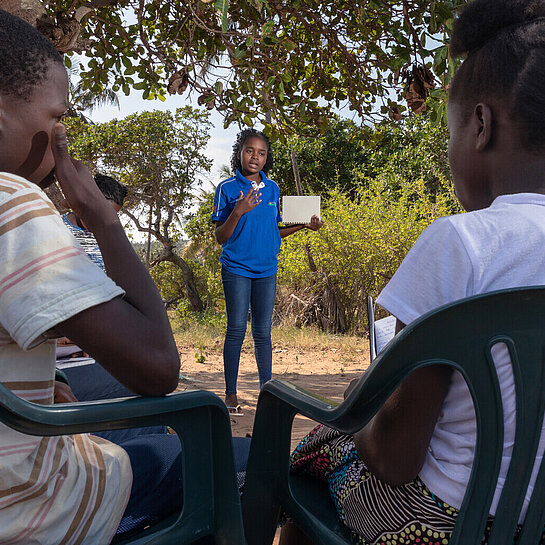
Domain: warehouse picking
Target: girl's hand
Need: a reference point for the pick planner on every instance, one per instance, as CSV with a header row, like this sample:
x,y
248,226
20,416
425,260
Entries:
x,y
81,193
315,223
246,203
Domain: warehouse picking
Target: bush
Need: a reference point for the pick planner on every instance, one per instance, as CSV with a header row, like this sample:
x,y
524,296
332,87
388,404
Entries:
x,y
359,248
186,319
169,280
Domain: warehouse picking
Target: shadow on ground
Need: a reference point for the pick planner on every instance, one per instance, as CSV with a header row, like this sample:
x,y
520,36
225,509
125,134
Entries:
x,y
321,381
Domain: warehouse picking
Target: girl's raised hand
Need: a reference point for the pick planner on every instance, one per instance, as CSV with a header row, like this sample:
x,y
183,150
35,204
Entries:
x,y
247,202
81,192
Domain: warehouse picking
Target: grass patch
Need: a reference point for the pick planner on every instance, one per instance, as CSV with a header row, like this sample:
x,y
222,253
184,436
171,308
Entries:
x,y
204,336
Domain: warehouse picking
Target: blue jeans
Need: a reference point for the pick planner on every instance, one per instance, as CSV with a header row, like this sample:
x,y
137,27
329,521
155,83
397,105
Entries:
x,y
92,383
258,295
156,462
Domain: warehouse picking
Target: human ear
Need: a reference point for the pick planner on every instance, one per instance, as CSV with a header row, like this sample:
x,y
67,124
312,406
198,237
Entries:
x,y
482,119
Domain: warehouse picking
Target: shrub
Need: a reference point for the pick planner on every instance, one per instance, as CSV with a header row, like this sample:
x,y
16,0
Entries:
x,y
359,248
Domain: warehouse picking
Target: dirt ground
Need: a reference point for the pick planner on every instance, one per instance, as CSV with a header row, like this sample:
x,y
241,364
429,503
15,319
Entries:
x,y
326,372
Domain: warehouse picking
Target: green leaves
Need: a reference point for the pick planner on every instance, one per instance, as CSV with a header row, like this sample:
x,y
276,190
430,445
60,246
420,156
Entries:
x,y
160,157
277,55
390,185
223,7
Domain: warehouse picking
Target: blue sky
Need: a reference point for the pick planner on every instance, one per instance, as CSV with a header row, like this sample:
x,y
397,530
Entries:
x,y
221,140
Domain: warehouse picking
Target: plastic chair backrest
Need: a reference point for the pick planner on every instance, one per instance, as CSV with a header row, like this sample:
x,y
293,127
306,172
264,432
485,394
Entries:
x,y
211,502
460,335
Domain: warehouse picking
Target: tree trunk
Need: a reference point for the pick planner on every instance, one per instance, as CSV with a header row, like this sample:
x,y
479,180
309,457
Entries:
x,y
29,10
296,176
169,255
148,248
64,32
189,281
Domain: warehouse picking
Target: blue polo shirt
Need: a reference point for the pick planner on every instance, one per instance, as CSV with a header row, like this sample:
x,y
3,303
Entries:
x,y
252,250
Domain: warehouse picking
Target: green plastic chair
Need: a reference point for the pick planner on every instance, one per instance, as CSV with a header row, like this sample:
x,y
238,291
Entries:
x,y
211,502
459,335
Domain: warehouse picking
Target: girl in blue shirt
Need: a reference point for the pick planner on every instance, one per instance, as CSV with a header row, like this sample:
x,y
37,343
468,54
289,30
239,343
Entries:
x,y
246,213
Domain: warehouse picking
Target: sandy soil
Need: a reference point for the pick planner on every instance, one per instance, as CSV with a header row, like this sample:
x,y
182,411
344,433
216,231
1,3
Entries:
x,y
326,372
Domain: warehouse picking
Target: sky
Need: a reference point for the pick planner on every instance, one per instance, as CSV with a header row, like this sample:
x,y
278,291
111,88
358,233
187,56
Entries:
x,y
219,148
221,141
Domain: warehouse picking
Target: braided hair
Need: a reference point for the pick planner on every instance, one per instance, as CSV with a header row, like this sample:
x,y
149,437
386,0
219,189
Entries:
x,y
504,45
244,135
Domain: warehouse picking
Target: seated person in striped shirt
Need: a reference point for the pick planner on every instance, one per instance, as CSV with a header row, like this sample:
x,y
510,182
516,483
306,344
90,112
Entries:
x,y
80,488
88,380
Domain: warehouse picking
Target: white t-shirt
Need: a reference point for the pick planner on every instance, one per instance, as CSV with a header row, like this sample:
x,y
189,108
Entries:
x,y
53,490
496,248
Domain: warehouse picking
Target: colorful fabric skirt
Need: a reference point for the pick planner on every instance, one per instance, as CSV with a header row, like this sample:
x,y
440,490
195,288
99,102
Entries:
x,y
376,513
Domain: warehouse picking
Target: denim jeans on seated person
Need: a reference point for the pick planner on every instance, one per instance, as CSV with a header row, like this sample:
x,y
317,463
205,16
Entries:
x,y
258,295
156,492
155,455
91,382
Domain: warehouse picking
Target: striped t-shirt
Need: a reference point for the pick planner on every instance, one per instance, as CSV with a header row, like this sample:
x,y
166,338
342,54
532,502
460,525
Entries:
x,y
53,490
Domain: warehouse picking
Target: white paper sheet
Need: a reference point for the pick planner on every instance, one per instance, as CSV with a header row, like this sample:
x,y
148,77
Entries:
x,y
299,209
385,330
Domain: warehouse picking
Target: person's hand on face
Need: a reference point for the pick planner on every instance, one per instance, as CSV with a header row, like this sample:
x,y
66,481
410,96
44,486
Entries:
x,y
315,223
81,192
248,202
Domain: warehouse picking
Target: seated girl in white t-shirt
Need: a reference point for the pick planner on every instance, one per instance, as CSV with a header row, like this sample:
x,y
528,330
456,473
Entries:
x,y
424,436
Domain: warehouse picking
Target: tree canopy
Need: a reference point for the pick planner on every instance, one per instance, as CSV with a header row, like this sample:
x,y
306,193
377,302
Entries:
x,y
288,63
160,157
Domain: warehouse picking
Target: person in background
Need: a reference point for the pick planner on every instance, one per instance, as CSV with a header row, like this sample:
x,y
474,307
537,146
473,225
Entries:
x,y
88,380
247,216
115,194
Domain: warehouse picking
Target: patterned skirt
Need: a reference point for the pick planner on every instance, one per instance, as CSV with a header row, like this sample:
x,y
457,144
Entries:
x,y
376,513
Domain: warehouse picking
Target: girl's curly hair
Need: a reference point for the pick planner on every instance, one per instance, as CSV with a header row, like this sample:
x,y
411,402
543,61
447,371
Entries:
x,y
242,136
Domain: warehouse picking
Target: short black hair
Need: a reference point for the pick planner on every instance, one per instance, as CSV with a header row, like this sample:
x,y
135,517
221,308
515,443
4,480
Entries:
x,y
504,41
25,55
111,188
242,136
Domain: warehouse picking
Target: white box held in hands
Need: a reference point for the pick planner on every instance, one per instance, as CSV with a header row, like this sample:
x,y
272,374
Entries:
x,y
299,209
